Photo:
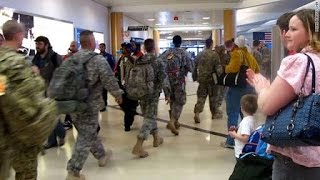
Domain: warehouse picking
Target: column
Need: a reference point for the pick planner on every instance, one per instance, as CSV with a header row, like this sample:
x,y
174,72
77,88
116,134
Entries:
x,y
116,31
277,52
229,22
216,37
156,38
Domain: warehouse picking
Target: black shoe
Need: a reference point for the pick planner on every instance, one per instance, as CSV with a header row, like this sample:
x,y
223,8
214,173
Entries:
x,y
67,125
103,110
127,129
48,146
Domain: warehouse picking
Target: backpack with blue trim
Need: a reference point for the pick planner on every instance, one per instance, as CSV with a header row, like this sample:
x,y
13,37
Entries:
x,y
256,145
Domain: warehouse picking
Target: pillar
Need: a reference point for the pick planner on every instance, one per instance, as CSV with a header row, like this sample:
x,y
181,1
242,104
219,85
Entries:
x,y
216,37
229,23
277,52
156,38
116,31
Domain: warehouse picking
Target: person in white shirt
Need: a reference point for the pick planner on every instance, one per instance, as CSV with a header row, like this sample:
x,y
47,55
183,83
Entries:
x,y
241,134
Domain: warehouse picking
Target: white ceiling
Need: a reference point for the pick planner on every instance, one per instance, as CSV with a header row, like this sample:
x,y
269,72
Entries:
x,y
113,3
251,15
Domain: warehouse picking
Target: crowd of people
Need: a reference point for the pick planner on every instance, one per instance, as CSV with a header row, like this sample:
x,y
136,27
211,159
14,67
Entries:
x,y
138,78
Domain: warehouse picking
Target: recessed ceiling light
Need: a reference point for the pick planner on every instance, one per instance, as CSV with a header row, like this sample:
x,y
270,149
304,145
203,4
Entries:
x,y
206,18
151,19
205,23
158,24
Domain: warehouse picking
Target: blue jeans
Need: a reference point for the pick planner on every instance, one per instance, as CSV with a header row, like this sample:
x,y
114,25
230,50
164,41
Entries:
x,y
234,95
58,131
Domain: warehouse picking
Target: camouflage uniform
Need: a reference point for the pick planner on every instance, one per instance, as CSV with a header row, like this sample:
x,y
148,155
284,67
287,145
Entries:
x,y
22,153
207,63
177,80
266,62
100,76
149,106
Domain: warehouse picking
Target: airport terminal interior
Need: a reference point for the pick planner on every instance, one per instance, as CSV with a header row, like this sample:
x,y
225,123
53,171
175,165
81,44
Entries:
x,y
196,153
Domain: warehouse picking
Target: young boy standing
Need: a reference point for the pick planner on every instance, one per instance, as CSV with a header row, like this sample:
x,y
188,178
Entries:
x,y
249,107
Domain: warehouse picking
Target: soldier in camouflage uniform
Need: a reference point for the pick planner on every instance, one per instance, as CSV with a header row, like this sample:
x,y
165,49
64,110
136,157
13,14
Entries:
x,y
206,63
100,76
179,63
149,106
19,119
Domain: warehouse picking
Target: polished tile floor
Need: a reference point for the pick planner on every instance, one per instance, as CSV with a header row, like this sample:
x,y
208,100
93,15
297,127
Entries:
x,y
190,156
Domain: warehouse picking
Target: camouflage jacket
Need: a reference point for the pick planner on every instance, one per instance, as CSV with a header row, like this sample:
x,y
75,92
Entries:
x,y
100,76
161,81
206,63
185,63
22,102
256,54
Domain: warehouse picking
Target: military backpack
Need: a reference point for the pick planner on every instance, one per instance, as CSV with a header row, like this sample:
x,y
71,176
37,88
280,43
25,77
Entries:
x,y
69,85
28,117
139,82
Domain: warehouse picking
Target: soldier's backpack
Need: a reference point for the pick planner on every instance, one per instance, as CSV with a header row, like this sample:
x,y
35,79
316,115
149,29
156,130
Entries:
x,y
27,116
69,86
173,63
139,82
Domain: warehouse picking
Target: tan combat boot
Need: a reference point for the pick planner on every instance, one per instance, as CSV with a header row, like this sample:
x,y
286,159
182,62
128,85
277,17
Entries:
x,y
138,149
172,127
104,160
196,118
157,140
75,176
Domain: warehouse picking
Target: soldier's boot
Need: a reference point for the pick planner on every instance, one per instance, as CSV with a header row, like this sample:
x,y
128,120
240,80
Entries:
x,y
169,118
196,118
157,140
177,124
75,176
104,160
138,149
172,127
218,114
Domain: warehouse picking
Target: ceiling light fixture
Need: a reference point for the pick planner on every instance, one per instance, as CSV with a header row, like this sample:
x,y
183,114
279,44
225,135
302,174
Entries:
x,y
206,18
205,23
188,28
151,19
158,24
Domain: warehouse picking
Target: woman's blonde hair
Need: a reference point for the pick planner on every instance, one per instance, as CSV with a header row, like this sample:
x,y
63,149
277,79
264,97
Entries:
x,y
307,16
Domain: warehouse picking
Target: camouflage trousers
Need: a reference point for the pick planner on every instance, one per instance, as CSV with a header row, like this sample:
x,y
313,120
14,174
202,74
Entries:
x,y
24,161
87,141
149,108
178,98
216,96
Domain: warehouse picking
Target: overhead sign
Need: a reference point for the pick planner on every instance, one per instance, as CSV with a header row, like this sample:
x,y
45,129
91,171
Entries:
x,y
138,28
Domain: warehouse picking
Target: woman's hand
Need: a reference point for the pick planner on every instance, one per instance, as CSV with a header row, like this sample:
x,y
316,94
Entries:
x,y
257,81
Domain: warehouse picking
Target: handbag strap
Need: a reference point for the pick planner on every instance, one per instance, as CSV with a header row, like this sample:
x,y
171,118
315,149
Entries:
x,y
310,61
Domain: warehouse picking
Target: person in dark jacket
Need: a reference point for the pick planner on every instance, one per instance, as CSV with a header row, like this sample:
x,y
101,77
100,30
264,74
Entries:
x,y
45,62
111,62
128,106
